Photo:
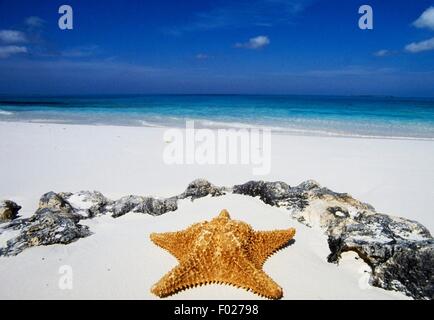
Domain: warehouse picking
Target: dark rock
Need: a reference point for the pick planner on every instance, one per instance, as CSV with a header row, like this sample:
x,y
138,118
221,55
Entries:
x,y
45,227
87,204
125,205
338,212
52,200
410,269
157,207
201,188
147,205
399,251
8,210
277,193
376,237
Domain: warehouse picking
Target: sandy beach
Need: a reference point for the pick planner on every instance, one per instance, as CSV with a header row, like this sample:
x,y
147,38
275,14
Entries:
x,y
217,150
395,176
120,261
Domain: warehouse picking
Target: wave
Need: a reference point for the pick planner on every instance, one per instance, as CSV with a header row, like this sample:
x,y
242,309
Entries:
x,y
305,131
31,103
223,124
283,129
149,124
302,127
5,113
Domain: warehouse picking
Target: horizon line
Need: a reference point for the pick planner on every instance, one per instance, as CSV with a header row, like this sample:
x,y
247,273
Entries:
x,y
76,95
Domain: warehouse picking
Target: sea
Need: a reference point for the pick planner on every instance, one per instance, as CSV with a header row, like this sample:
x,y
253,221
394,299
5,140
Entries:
x,y
343,116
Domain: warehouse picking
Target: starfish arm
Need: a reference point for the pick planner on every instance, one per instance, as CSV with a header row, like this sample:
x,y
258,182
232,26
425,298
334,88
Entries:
x,y
265,243
177,243
183,276
242,273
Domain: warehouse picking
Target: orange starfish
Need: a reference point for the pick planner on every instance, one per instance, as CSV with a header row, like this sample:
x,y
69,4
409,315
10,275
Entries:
x,y
221,251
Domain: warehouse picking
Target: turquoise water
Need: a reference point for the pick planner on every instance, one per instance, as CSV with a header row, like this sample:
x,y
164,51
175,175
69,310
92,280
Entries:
x,y
310,115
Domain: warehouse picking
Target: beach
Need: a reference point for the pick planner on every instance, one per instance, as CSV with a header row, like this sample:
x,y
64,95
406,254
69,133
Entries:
x,y
119,260
217,150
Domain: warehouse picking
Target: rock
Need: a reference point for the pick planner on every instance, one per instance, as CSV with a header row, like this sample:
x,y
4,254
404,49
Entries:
x,y
147,205
375,236
52,200
410,269
87,204
8,210
201,188
57,204
55,222
80,205
125,205
45,227
269,192
157,207
324,208
277,193
399,251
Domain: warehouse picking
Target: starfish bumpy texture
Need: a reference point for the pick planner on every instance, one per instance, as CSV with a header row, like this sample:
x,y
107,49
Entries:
x,y
221,251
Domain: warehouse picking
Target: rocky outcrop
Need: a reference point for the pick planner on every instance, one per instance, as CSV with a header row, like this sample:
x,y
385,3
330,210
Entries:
x,y
409,270
147,205
201,188
157,207
8,210
399,251
45,227
127,204
277,194
57,219
54,201
55,222
87,204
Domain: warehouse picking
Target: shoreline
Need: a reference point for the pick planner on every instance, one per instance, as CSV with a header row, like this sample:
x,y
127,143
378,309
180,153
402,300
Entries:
x,y
394,176
283,132
79,157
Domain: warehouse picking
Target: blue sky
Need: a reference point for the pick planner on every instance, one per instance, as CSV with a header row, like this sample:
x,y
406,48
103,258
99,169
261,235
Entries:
x,y
253,47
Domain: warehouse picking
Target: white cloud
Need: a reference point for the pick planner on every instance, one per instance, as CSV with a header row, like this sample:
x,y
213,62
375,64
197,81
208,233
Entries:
x,y
426,20
254,43
416,47
242,13
80,52
354,71
34,22
7,51
202,56
12,36
382,53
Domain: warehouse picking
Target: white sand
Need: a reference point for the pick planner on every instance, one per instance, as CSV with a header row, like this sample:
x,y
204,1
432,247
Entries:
x,y
119,261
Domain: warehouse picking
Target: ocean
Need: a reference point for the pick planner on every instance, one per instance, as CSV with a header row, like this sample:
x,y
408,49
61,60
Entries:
x,y
386,117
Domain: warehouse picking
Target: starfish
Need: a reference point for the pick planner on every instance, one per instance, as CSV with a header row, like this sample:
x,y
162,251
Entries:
x,y
223,251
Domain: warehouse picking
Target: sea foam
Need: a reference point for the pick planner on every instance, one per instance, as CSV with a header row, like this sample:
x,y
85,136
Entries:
x,y
5,113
